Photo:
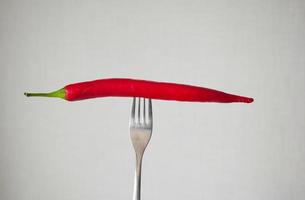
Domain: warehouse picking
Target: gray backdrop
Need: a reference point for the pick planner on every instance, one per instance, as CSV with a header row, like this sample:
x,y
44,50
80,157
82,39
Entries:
x,y
52,149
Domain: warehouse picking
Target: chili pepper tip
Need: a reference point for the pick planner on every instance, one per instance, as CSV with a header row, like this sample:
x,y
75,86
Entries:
x,y
249,100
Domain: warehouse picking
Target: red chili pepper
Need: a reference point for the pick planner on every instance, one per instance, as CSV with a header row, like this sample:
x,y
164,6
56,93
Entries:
x,y
123,87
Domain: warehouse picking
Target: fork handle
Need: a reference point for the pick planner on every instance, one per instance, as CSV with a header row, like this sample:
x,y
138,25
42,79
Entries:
x,y
137,179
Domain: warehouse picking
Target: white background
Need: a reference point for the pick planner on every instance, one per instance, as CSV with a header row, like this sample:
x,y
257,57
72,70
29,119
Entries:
x,y
52,149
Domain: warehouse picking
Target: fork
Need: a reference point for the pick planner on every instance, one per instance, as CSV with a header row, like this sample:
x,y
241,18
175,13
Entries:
x,y
140,125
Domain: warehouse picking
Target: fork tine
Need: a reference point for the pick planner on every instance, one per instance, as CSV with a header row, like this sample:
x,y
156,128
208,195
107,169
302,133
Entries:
x,y
150,115
133,110
144,111
139,110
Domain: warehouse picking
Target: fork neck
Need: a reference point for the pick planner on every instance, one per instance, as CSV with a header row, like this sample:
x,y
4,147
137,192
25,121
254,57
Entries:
x,y
139,158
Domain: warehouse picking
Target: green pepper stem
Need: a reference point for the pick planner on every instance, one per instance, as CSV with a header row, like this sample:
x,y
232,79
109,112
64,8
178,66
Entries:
x,y
61,93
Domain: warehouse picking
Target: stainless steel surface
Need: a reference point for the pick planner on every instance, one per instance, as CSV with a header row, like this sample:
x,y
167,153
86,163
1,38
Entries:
x,y
140,124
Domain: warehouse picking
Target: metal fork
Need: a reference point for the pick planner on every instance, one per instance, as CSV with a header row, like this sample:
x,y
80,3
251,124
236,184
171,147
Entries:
x,y
140,125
